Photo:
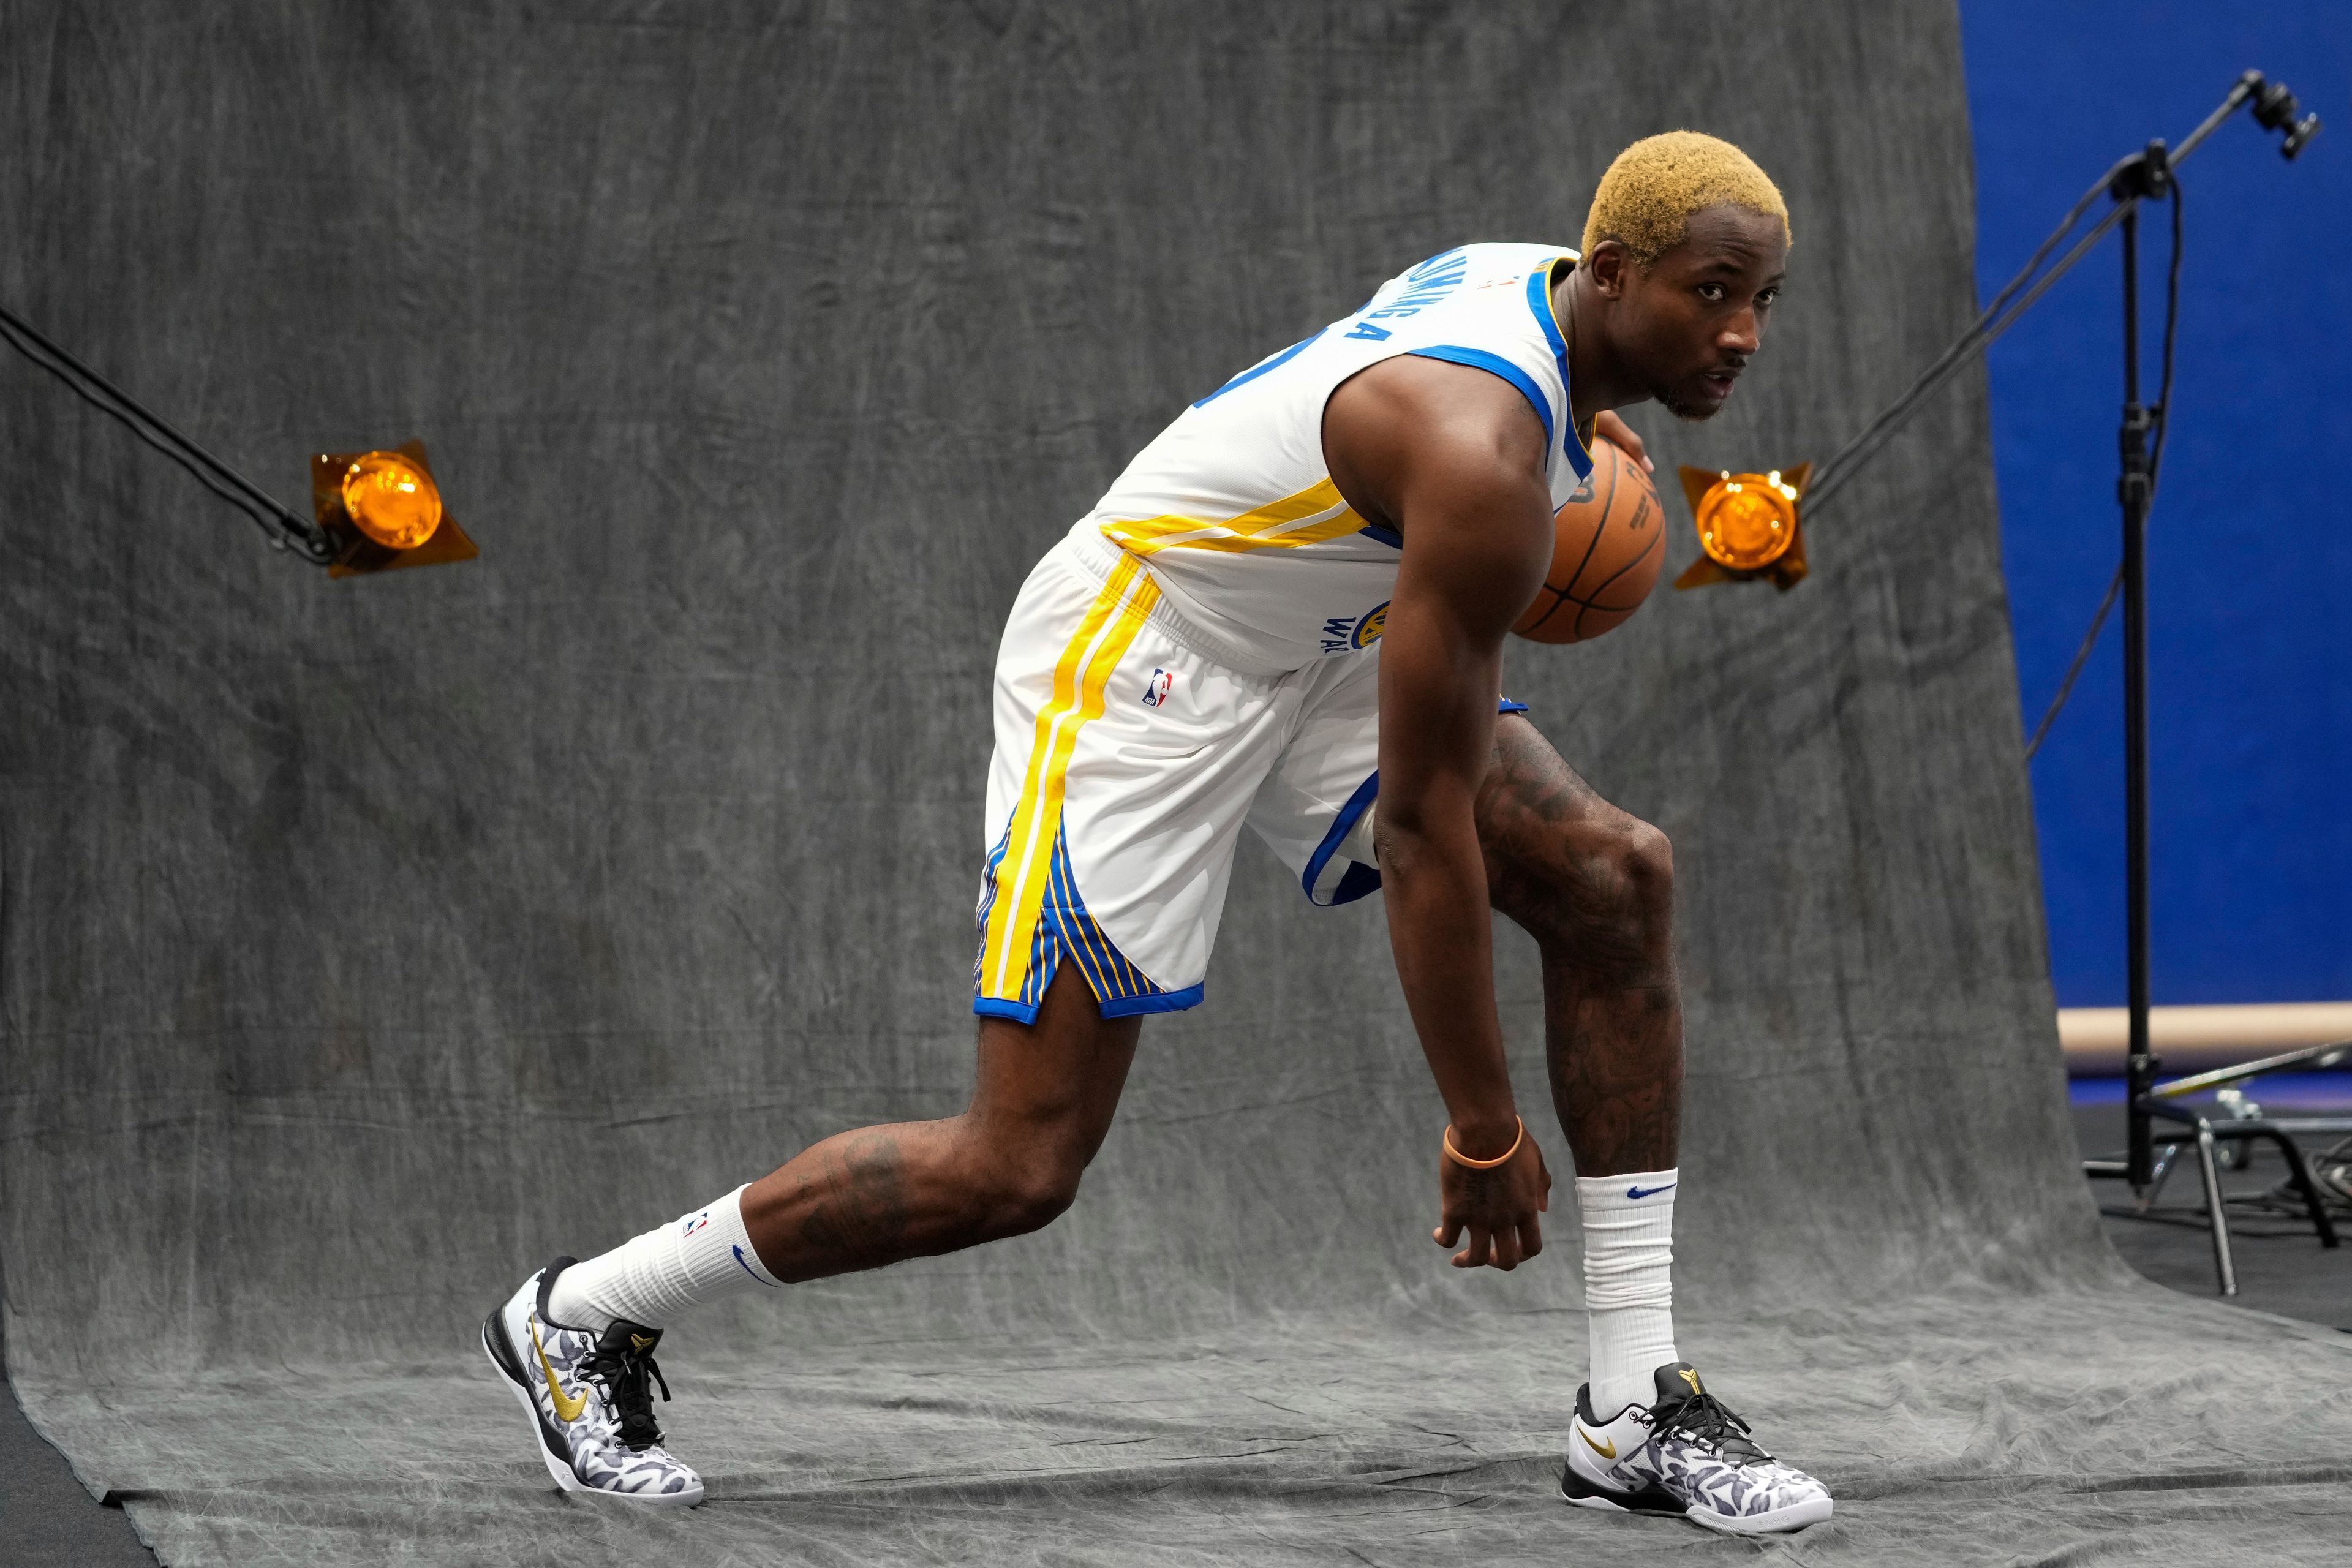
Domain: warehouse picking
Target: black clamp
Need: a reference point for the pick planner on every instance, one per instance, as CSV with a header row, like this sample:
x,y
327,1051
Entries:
x,y
2148,175
2274,109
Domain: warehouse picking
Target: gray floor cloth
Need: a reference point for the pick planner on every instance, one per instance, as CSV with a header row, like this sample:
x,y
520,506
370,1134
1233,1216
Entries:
x,y
363,944
2109,1426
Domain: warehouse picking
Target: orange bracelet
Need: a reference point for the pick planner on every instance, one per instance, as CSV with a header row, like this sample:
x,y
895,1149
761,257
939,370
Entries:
x,y
1459,1158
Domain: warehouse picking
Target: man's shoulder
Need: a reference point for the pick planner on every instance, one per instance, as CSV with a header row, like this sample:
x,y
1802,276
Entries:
x,y
1509,253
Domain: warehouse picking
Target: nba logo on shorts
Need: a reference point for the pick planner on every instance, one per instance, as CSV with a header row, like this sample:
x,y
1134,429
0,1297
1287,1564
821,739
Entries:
x,y
1155,690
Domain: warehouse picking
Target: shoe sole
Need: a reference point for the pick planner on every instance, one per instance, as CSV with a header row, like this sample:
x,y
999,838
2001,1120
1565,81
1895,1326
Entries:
x,y
1582,1491
1605,1506
1657,1504
511,1372
1795,1516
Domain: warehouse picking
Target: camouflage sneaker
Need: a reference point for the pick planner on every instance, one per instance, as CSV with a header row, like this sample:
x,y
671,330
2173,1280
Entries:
x,y
590,1399
1688,1457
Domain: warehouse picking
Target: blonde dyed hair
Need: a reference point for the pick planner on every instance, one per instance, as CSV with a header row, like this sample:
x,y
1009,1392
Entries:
x,y
1646,198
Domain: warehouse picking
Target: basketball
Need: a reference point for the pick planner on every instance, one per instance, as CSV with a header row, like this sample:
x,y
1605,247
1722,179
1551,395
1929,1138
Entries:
x,y
1610,544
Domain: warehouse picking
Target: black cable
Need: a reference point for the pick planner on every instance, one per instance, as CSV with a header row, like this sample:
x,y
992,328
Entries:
x,y
2155,467
80,379
1996,318
2075,670
284,527
2275,110
268,524
2073,216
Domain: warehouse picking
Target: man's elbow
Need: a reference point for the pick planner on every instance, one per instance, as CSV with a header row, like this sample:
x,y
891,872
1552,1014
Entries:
x,y
1408,833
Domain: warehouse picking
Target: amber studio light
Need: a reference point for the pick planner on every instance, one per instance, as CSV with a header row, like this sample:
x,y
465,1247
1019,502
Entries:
x,y
383,511
392,499
1747,526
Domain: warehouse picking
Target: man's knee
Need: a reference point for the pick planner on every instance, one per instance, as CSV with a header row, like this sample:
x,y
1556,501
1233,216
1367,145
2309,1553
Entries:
x,y
1622,873
1643,858
1613,875
1026,1189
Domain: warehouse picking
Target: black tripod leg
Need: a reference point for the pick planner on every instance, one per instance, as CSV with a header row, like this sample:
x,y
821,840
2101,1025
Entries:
x,y
2299,1172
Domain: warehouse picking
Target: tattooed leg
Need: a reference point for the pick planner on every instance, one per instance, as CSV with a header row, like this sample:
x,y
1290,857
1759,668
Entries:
x,y
1595,888
1010,1164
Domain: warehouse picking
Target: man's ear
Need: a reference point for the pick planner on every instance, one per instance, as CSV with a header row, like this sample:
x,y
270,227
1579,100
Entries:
x,y
1607,262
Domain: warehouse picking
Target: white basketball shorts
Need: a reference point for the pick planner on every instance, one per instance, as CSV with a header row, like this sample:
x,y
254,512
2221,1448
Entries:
x,y
1129,755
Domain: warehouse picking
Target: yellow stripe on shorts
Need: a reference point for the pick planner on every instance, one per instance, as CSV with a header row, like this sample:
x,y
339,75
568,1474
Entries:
x,y
1079,678
1315,514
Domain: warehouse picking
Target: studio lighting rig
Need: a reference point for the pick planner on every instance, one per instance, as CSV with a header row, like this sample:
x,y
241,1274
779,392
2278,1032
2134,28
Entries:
x,y
1745,530
1750,526
373,511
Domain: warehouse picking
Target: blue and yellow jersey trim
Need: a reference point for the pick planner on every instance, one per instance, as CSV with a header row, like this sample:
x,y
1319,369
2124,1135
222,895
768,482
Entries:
x,y
1066,931
1311,516
1080,676
1331,879
1272,362
1573,445
1029,912
1318,513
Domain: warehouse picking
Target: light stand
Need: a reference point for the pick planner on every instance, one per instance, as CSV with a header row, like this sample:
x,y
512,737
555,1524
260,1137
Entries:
x,y
2150,175
2147,175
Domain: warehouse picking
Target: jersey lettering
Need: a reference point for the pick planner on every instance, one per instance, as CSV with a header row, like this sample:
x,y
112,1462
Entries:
x,y
1426,291
1240,483
1425,285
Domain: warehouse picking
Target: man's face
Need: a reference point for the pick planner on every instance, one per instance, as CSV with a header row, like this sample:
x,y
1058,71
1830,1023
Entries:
x,y
1688,323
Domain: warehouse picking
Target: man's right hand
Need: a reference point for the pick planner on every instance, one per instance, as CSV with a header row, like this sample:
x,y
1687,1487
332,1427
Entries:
x,y
1455,460
1497,1207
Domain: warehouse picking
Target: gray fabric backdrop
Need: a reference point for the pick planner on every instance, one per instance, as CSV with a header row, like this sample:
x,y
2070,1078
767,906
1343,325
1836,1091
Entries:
x,y
363,944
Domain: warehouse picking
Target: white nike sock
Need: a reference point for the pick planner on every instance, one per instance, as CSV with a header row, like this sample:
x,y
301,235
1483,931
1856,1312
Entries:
x,y
1629,1285
696,1258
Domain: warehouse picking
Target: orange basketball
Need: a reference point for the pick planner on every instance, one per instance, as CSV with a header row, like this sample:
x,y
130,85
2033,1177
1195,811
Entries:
x,y
1612,541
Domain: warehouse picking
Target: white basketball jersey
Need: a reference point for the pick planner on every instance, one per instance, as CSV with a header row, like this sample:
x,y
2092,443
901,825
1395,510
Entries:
x,y
1233,510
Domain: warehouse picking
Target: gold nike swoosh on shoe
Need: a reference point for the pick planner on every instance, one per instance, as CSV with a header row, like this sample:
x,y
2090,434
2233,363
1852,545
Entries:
x,y
1606,1450
566,1409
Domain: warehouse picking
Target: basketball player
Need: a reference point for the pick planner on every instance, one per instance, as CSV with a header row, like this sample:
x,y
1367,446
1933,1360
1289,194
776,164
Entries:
x,y
1289,612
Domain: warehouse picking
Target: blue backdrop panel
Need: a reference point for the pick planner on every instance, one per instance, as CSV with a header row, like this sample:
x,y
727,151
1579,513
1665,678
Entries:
x,y
2249,561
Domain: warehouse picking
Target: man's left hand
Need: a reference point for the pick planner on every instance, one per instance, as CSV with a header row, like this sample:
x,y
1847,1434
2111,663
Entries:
x,y
1608,428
